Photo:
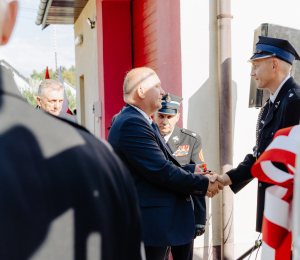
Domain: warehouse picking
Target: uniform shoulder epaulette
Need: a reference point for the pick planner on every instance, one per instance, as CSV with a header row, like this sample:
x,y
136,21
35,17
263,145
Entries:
x,y
189,132
295,90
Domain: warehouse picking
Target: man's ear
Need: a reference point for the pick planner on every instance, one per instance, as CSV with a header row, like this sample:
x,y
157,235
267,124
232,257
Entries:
x,y
275,64
178,116
38,99
141,92
9,21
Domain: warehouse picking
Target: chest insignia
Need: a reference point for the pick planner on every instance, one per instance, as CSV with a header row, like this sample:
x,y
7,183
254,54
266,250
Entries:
x,y
182,151
175,138
291,95
193,134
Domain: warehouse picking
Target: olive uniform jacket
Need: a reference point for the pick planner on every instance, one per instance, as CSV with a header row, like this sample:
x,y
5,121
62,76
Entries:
x,y
62,191
285,112
186,146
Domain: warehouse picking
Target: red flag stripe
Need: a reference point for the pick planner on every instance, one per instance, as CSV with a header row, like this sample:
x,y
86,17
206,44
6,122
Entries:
x,y
275,238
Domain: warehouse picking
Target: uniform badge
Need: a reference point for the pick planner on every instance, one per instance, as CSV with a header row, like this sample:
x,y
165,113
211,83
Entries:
x,y
193,134
182,151
168,98
291,95
201,157
175,138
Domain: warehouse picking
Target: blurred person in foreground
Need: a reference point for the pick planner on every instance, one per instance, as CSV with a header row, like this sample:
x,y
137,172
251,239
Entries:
x,y
50,98
186,147
271,67
164,187
62,191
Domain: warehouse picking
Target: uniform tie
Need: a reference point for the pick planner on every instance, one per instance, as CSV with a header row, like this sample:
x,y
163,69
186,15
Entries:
x,y
160,138
270,103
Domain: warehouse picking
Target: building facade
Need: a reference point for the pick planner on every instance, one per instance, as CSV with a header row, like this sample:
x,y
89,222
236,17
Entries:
x,y
179,40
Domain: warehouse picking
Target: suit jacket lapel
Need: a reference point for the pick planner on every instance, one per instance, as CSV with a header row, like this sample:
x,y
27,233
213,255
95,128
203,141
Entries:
x,y
285,88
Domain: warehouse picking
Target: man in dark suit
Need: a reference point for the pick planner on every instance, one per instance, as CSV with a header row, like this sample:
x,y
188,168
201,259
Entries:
x,y
163,186
186,147
271,65
62,191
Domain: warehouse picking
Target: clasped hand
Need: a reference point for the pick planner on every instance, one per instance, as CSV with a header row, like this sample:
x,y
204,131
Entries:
x,y
216,182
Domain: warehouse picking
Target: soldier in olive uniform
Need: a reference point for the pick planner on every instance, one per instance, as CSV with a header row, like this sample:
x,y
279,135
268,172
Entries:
x,y
186,147
271,65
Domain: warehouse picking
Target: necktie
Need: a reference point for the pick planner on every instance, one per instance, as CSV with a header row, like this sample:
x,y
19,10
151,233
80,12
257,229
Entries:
x,y
161,139
269,106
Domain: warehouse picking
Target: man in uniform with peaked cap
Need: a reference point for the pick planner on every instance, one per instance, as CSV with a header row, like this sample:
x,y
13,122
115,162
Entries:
x,y
186,147
272,61
62,191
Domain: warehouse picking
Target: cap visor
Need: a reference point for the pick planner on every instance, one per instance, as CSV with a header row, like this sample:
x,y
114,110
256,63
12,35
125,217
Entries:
x,y
261,56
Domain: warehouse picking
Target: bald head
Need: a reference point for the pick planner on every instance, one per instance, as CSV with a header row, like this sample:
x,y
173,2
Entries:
x,y
142,88
135,78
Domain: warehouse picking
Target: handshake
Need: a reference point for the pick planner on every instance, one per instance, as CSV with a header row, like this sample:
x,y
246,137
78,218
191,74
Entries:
x,y
216,182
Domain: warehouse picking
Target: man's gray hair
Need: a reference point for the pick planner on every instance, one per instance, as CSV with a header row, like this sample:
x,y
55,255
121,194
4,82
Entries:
x,y
49,83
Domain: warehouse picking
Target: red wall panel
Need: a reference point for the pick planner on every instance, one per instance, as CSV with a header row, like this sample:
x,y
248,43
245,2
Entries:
x,y
144,30
114,56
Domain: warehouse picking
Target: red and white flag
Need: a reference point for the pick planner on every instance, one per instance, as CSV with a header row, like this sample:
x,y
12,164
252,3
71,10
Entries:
x,y
277,220
47,74
65,106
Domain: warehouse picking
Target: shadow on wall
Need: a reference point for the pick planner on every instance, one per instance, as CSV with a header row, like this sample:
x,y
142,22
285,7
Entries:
x,y
203,118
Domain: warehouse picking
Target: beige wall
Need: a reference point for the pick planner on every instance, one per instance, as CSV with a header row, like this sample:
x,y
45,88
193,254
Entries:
x,y
87,66
200,105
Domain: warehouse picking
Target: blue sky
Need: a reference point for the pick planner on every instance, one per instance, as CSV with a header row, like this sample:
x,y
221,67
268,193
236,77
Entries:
x,y
31,48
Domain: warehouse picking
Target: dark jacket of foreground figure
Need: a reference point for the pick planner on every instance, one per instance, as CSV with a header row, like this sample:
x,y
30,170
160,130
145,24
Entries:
x,y
63,193
163,187
285,112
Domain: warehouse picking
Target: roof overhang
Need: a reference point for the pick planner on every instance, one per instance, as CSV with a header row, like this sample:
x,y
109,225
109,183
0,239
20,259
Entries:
x,y
59,11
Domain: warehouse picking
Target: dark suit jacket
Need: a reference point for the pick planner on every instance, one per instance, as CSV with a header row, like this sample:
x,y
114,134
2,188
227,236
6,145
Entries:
x,y
68,117
285,112
57,175
163,187
184,137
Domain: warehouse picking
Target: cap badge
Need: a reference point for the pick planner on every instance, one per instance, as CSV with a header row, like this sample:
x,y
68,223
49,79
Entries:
x,y
168,98
175,139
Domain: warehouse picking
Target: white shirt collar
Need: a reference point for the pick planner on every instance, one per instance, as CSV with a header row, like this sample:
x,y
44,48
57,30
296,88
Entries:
x,y
167,137
274,96
143,114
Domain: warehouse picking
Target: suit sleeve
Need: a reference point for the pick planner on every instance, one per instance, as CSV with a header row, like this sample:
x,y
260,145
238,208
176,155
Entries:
x,y
196,153
189,167
292,114
138,144
241,175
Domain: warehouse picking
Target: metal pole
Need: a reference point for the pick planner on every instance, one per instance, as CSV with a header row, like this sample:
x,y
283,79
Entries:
x,y
56,74
226,134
